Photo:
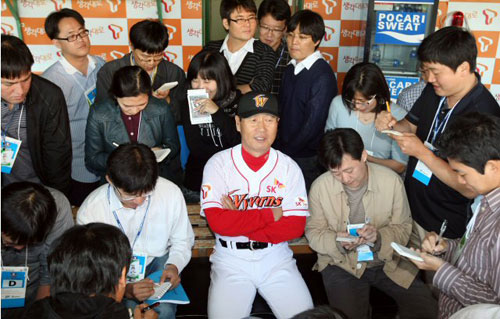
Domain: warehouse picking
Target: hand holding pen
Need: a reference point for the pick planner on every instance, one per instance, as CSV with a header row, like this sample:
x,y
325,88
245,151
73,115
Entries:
x,y
434,243
440,236
146,311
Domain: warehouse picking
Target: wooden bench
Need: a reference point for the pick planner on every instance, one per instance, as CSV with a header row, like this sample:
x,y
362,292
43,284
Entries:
x,y
205,240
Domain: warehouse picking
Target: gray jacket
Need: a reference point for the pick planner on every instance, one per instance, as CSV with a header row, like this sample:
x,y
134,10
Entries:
x,y
105,129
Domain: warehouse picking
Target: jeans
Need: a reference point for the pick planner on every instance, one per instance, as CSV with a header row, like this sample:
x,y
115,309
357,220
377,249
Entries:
x,y
164,310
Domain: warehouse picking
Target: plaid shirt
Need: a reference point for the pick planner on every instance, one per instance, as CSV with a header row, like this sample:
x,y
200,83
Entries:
x,y
282,59
410,95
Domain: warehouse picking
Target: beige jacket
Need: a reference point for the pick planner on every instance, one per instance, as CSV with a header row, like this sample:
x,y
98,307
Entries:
x,y
387,207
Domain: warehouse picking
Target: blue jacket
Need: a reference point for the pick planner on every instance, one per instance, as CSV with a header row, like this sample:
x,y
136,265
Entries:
x,y
105,129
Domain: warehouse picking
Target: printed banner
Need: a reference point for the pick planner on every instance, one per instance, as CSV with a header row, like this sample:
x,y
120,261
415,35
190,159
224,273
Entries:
x,y
397,84
396,27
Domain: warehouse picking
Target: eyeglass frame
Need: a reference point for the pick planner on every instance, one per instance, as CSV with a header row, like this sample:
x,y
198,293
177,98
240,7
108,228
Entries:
x,y
366,103
129,199
150,59
240,21
82,34
271,30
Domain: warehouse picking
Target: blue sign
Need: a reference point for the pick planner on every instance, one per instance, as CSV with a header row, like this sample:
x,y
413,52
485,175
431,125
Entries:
x,y
396,27
397,84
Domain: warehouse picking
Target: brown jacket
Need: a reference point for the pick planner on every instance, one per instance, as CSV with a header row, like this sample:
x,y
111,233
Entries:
x,y
387,207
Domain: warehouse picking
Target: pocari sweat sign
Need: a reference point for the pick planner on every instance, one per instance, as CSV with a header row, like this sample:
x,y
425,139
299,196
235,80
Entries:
x,y
397,84
397,27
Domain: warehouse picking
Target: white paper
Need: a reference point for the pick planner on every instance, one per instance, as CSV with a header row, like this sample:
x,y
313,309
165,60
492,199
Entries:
x,y
195,116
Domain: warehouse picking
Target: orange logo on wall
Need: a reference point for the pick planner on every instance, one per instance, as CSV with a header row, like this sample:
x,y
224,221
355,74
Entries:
x,y
7,29
487,43
109,53
116,30
170,56
101,8
58,4
352,33
489,15
328,9
168,5
330,55
481,69
442,14
174,31
329,32
496,74
191,9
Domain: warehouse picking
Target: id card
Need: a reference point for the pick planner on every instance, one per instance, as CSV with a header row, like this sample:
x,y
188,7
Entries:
x,y
90,94
352,229
422,173
364,253
10,149
14,282
137,269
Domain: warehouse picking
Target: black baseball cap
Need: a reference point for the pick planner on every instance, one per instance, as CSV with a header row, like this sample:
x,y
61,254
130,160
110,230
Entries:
x,y
257,102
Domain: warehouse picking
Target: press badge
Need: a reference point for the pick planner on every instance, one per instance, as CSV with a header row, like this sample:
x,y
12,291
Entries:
x,y
91,94
422,173
364,253
137,269
14,282
10,149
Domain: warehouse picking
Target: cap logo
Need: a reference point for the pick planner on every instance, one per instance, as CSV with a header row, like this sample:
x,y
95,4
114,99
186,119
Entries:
x,y
260,100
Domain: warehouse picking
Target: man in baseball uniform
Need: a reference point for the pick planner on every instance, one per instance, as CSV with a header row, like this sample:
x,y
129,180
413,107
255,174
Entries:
x,y
254,199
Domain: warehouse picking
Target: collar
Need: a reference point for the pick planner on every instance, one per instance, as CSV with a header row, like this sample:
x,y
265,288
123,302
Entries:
x,y
114,202
307,63
16,106
493,199
339,188
70,69
247,47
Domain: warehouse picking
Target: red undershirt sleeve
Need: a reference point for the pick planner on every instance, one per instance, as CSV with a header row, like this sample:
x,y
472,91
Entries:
x,y
285,229
227,222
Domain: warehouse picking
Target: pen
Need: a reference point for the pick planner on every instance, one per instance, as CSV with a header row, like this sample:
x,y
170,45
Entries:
x,y
388,106
441,231
115,144
156,304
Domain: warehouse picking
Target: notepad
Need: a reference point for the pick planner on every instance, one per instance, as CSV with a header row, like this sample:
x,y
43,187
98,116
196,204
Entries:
x,y
161,154
176,295
406,252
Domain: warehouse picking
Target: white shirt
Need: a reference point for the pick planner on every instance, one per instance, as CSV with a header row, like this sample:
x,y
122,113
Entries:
x,y
307,63
236,58
166,227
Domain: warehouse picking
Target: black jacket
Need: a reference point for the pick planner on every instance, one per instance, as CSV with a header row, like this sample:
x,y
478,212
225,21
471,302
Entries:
x,y
76,306
49,136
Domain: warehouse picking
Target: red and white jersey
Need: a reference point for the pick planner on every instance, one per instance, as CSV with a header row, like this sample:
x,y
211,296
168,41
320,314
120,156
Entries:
x,y
279,183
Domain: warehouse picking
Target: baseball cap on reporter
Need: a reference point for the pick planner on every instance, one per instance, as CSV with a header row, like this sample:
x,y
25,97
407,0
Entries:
x,y
257,102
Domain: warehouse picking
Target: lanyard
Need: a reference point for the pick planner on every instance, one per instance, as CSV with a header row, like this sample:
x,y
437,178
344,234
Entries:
x,y
437,127
151,76
281,55
25,263
120,224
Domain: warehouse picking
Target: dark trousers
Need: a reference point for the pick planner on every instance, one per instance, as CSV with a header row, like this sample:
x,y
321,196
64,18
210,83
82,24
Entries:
x,y
352,295
79,191
311,169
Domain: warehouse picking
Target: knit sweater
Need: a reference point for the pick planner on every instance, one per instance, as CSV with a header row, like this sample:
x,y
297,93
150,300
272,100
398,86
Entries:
x,y
257,68
304,101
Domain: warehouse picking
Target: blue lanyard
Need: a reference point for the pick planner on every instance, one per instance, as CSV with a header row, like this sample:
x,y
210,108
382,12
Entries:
x,y
120,224
4,132
281,55
438,127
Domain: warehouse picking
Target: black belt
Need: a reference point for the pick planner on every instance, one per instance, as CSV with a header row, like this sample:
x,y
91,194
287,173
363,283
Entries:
x,y
252,245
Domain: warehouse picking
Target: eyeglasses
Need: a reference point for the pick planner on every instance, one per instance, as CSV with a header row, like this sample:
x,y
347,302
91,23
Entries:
x,y
72,38
130,198
242,21
362,103
301,36
149,59
264,28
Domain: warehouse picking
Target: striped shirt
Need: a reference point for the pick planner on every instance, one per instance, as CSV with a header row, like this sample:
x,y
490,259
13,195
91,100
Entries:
x,y
256,69
476,276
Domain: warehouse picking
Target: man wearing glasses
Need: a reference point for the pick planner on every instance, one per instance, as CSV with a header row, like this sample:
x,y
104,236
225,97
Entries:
x,y
75,73
273,17
148,40
151,211
307,88
252,62
36,139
